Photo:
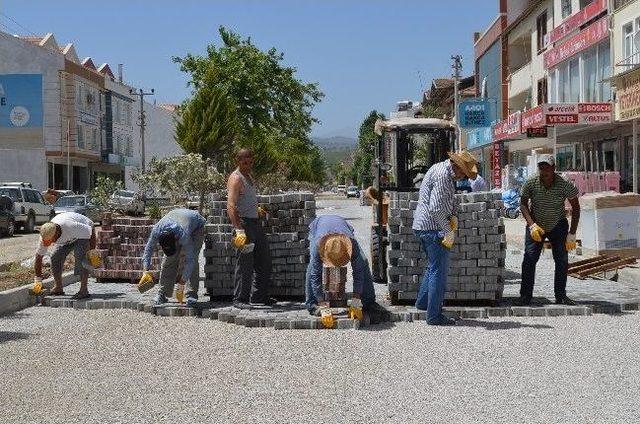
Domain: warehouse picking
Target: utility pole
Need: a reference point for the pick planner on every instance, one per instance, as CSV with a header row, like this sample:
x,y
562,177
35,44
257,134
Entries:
x,y
142,122
457,70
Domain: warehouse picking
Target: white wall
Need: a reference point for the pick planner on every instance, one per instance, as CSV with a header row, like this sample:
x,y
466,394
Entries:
x,y
623,16
27,165
27,58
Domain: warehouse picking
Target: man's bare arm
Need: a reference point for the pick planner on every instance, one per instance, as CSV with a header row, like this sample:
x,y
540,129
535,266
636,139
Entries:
x,y
38,265
233,192
524,208
575,214
92,240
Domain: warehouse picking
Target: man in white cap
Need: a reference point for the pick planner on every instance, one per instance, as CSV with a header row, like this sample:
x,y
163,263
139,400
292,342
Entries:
x,y
332,243
542,202
435,223
67,231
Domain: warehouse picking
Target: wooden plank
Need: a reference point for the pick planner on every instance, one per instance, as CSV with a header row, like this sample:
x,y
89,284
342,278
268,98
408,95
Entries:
x,y
594,264
587,261
613,265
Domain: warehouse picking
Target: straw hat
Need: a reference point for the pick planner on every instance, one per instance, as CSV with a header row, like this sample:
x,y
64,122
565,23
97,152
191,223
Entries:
x,y
48,232
466,162
335,250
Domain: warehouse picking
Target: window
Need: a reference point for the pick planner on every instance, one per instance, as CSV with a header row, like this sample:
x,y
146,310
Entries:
x,y
12,193
589,81
94,140
552,87
31,196
566,8
563,83
80,136
542,91
604,71
627,47
541,26
574,80
585,3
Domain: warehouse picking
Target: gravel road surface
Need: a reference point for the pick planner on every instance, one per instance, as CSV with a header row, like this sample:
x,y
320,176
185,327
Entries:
x,y
17,248
68,366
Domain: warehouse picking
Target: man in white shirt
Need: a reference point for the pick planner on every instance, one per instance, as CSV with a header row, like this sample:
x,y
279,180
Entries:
x,y
67,231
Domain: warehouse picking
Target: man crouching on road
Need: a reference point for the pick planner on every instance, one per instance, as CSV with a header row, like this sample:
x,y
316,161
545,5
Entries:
x,y
435,223
67,231
332,243
180,229
542,202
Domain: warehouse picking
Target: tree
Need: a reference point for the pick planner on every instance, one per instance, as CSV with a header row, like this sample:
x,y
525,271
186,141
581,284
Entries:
x,y
208,127
365,153
267,93
103,190
178,177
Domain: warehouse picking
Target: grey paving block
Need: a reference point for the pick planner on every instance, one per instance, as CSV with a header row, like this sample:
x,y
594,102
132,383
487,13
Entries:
x,y
520,311
498,312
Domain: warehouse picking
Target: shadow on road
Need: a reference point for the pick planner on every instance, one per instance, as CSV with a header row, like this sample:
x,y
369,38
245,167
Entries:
x,y
502,325
6,336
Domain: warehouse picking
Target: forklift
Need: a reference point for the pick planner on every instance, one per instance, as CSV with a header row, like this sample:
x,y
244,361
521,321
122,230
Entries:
x,y
407,148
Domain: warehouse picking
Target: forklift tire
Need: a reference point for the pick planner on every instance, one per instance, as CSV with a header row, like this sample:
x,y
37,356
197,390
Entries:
x,y
375,246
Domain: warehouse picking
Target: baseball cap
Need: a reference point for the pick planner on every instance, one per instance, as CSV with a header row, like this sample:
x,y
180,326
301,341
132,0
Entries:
x,y
547,158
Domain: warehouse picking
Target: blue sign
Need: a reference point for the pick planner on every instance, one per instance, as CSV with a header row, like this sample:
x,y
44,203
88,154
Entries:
x,y
21,101
479,137
476,113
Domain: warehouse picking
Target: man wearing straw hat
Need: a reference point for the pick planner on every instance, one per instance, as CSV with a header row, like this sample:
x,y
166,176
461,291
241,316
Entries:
x,y
332,243
68,231
435,223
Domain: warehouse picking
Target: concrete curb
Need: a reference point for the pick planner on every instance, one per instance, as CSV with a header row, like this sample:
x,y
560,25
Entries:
x,y
18,298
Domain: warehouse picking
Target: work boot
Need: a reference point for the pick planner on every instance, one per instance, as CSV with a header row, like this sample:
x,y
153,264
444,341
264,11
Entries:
x,y
269,301
564,300
192,301
160,299
241,305
523,301
443,321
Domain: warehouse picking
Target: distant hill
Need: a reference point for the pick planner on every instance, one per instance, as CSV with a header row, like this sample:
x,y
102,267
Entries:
x,y
335,149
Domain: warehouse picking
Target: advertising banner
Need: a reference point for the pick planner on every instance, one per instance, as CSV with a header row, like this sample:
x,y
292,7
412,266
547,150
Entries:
x,y
479,137
497,164
533,118
509,128
628,97
574,21
589,36
21,101
476,113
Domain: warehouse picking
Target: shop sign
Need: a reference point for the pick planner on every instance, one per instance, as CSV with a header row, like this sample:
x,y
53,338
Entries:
x,y
479,137
591,35
560,113
533,118
475,113
20,102
628,97
497,163
537,132
595,113
574,21
509,128
578,113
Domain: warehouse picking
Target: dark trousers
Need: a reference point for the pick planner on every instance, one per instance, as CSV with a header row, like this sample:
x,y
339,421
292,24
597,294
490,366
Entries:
x,y
253,270
557,237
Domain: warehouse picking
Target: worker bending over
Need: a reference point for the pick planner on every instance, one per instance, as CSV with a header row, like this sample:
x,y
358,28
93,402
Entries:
x,y
67,231
180,230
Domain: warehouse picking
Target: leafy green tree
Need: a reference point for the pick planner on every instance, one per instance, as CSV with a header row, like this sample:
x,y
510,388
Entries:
x,y
103,190
267,93
365,153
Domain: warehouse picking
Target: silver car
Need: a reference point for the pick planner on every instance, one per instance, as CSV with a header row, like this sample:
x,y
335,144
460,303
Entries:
x,y
80,204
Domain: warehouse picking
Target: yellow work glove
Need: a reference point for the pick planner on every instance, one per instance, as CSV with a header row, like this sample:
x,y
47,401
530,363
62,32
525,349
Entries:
x,y
448,240
37,286
453,223
261,212
240,239
355,309
94,258
179,295
536,232
146,282
570,244
326,317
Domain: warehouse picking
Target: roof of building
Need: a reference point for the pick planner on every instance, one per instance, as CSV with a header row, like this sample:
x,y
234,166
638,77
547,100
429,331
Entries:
x,y
105,69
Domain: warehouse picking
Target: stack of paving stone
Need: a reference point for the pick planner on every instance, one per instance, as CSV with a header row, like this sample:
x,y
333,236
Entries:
x,y
334,280
287,228
476,271
121,245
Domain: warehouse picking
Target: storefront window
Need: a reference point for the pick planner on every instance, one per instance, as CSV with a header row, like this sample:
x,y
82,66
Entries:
x,y
564,157
604,71
574,75
563,83
553,79
589,80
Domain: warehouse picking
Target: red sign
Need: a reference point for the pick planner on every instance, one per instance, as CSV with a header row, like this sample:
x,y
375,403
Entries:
x,y
533,118
574,21
540,132
562,119
595,113
497,164
591,35
595,107
509,128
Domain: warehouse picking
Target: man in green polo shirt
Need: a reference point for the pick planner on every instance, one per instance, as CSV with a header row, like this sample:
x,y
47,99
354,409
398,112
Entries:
x,y
542,201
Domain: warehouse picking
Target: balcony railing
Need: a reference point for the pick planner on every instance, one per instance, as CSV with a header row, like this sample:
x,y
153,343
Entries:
x,y
629,62
617,4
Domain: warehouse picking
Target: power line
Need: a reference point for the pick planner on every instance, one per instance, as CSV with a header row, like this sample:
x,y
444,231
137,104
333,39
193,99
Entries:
x,y
18,23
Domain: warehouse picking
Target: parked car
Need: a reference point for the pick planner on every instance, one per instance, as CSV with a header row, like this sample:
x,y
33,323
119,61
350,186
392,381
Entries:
x,y
7,220
352,191
128,202
80,204
29,208
341,189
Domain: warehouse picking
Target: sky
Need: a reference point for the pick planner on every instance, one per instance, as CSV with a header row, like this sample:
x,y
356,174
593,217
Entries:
x,y
365,54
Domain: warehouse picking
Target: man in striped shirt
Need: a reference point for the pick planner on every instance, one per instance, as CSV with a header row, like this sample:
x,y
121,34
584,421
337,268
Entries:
x,y
435,223
542,202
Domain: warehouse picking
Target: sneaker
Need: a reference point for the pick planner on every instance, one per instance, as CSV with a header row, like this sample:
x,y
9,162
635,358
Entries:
x,y
523,301
241,305
374,308
565,301
442,320
192,301
160,299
